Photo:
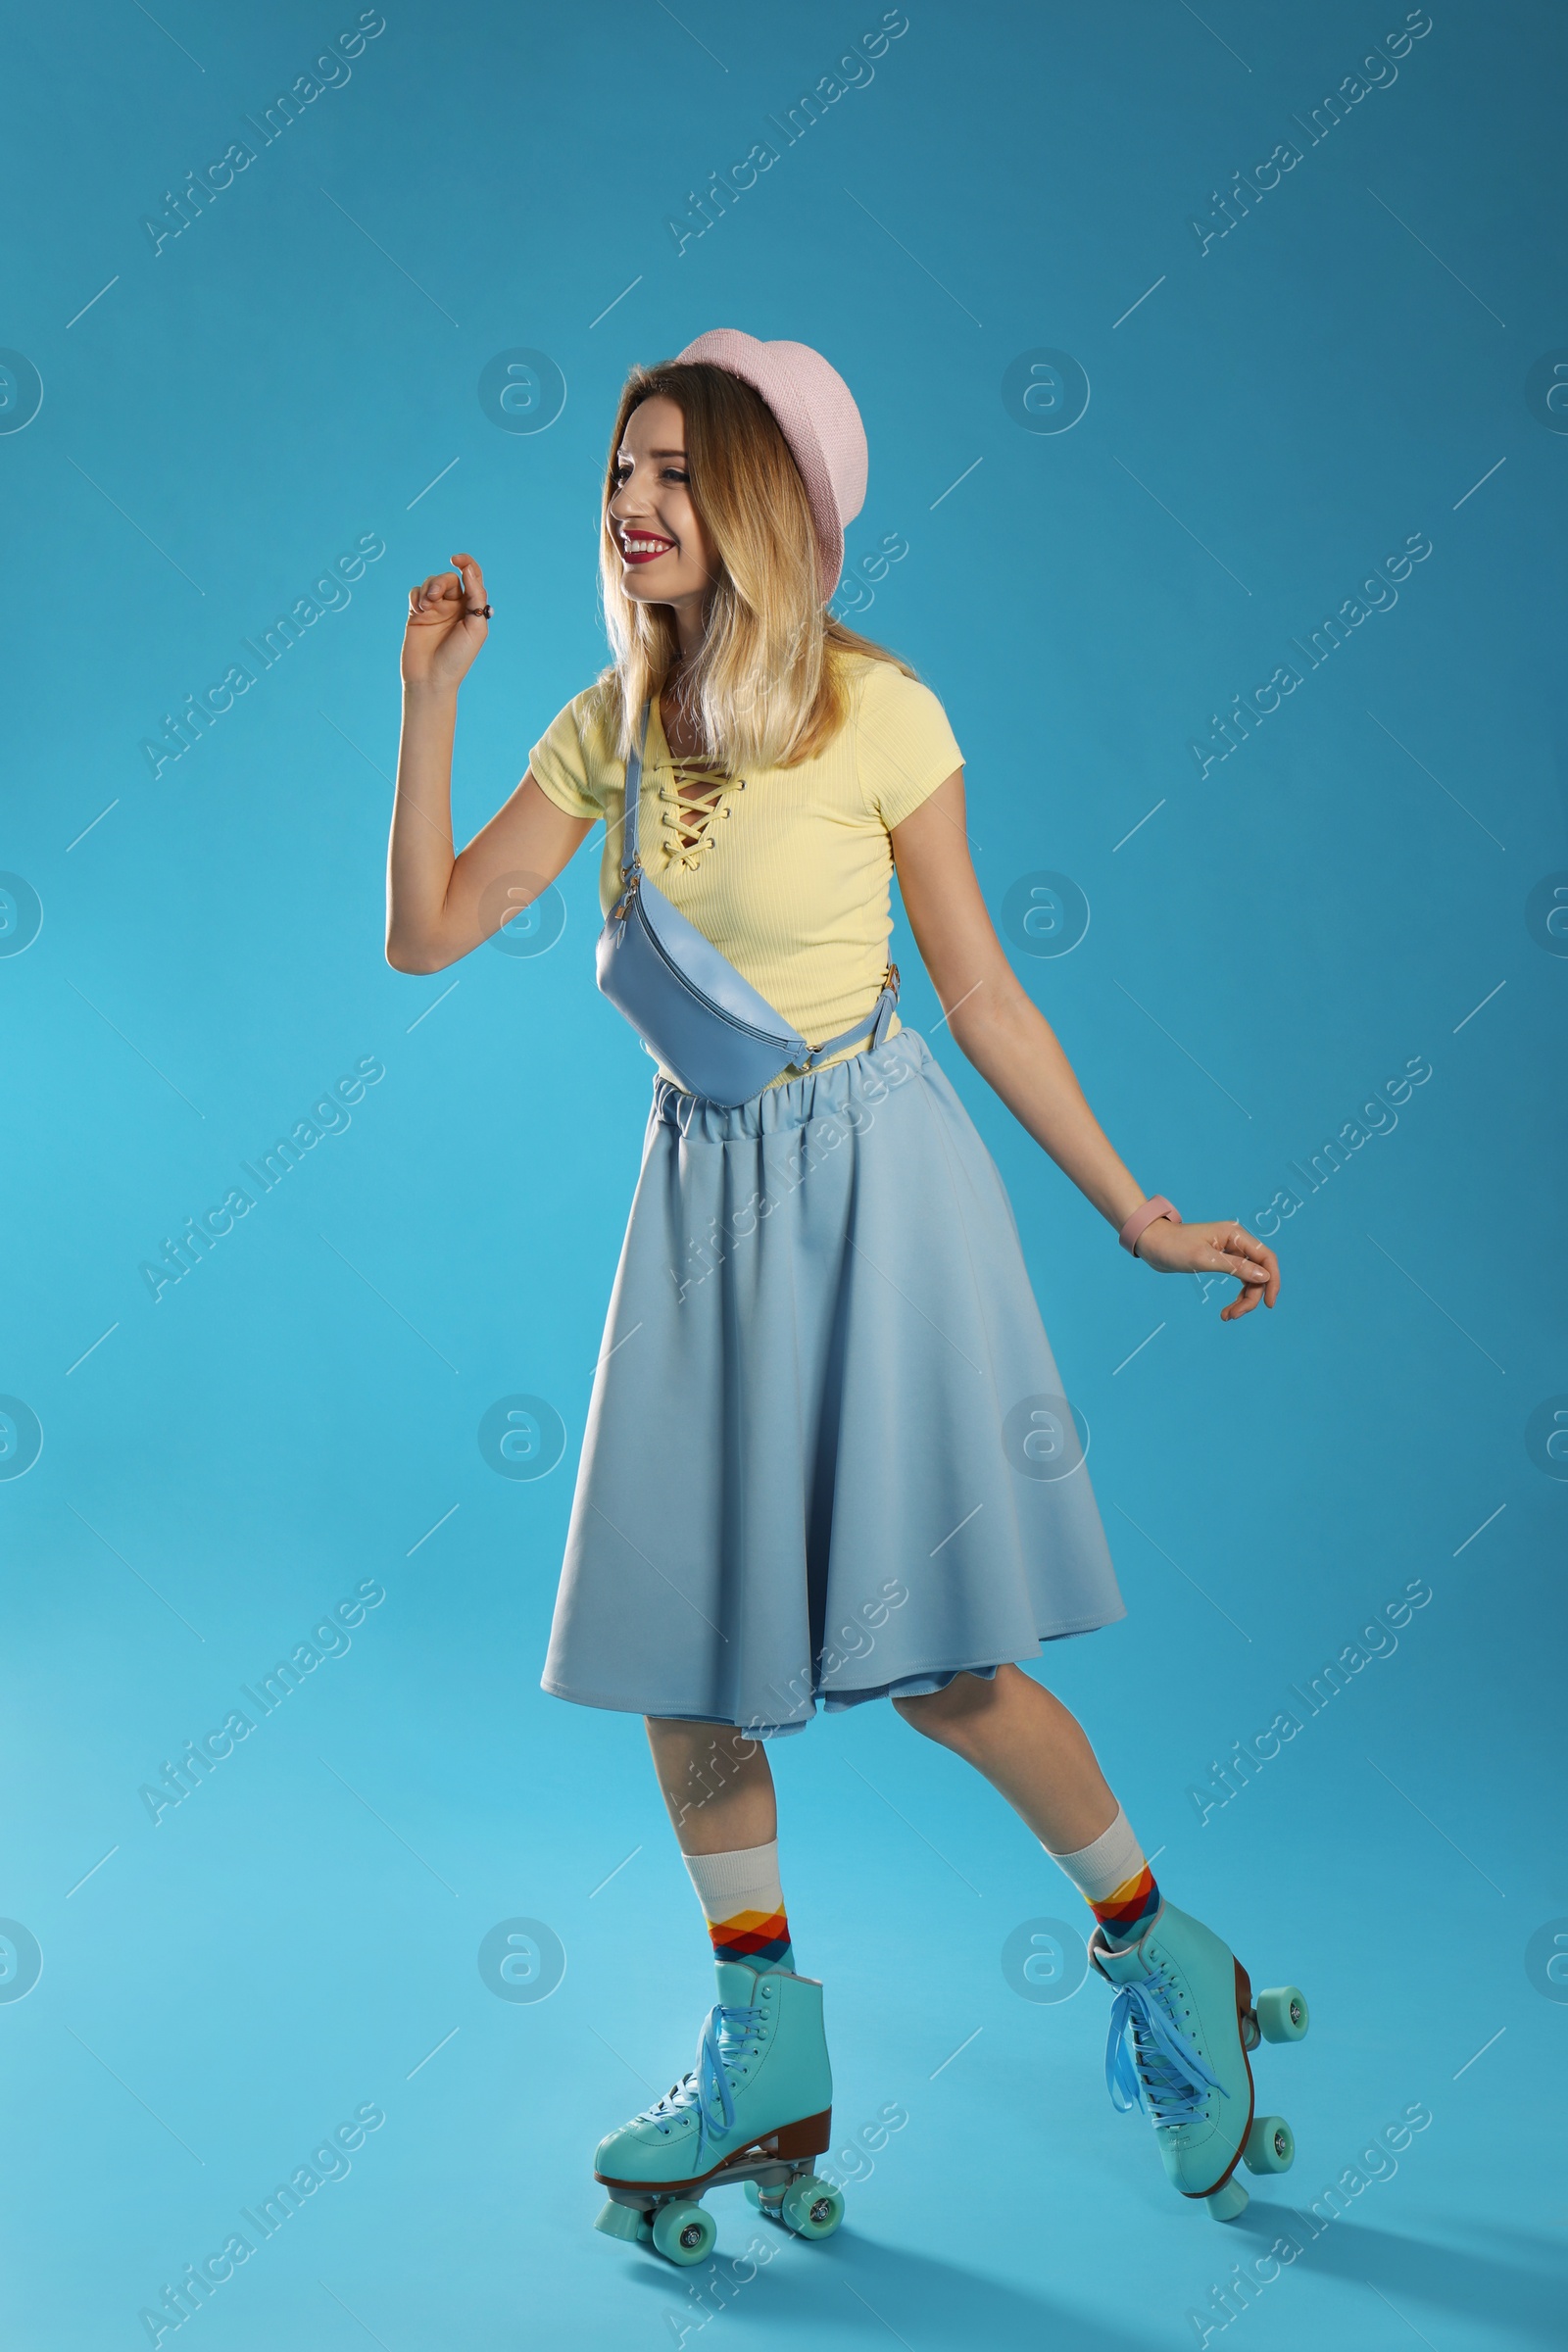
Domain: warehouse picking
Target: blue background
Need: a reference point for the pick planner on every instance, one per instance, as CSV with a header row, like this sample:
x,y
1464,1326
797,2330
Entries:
x,y
1268,417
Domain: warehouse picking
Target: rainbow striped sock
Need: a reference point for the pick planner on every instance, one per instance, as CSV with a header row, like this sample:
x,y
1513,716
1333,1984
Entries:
x,y
742,1904
1127,1910
1115,1881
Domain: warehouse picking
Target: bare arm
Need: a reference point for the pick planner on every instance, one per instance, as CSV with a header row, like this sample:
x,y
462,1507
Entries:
x,y
440,906
1015,1050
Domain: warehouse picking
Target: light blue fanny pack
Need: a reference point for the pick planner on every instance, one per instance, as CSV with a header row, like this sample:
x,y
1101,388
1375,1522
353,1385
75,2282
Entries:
x,y
693,1010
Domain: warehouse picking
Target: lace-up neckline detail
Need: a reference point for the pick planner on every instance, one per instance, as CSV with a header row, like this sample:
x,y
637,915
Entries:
x,y
692,801
693,795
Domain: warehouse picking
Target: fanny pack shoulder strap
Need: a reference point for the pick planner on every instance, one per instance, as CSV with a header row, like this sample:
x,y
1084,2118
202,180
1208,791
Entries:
x,y
878,1018
634,794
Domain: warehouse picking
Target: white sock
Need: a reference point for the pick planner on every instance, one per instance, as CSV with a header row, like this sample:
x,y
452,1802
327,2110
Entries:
x,y
742,1903
1115,1879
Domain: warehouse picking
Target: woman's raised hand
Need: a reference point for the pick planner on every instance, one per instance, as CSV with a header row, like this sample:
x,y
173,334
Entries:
x,y
1214,1247
446,626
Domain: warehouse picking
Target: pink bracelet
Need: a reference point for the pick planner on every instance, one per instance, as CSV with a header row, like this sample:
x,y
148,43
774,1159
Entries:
x,y
1142,1218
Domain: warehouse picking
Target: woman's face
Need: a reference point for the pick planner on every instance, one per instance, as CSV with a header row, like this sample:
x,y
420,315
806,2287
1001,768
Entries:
x,y
665,558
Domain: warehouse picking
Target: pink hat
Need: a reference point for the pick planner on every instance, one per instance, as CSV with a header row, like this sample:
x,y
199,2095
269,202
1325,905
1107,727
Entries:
x,y
816,415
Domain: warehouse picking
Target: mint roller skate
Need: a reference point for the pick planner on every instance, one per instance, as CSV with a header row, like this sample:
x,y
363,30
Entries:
x,y
755,2107
1182,2024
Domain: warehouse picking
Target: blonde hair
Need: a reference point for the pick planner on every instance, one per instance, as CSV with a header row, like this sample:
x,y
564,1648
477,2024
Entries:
x,y
768,689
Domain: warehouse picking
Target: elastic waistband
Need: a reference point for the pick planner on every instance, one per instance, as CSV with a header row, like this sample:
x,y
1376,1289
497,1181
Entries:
x,y
836,1089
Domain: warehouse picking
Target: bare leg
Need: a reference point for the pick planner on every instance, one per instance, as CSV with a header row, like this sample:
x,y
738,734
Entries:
x,y
717,1784
1028,1747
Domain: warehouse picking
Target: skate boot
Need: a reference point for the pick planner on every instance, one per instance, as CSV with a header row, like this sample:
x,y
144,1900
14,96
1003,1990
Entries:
x,y
757,2107
1181,2027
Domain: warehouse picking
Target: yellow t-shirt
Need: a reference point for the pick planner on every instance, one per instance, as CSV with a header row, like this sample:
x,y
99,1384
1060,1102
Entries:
x,y
789,876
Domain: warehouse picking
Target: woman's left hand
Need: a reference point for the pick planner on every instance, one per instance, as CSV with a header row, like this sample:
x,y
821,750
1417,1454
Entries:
x,y
1214,1246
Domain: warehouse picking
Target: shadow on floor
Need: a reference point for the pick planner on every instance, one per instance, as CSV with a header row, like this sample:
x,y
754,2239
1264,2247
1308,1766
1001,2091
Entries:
x,y
851,2281
1522,2287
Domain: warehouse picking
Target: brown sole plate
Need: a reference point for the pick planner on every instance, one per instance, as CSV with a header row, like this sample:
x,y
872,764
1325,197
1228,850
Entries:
x,y
787,2144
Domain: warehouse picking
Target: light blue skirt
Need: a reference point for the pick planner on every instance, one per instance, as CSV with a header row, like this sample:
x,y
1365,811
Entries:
x,y
827,1456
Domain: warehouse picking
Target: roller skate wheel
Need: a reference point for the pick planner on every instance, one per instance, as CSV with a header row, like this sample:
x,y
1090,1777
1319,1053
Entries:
x,y
1283,2014
812,2208
1270,2145
684,2232
1227,2203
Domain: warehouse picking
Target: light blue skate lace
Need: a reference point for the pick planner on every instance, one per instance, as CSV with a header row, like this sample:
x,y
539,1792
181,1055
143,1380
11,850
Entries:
x,y
726,2036
1150,2061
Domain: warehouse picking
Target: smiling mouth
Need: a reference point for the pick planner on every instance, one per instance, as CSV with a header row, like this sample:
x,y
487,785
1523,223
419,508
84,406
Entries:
x,y
640,548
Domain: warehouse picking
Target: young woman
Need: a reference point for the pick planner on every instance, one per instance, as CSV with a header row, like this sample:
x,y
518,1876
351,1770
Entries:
x,y
827,1456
